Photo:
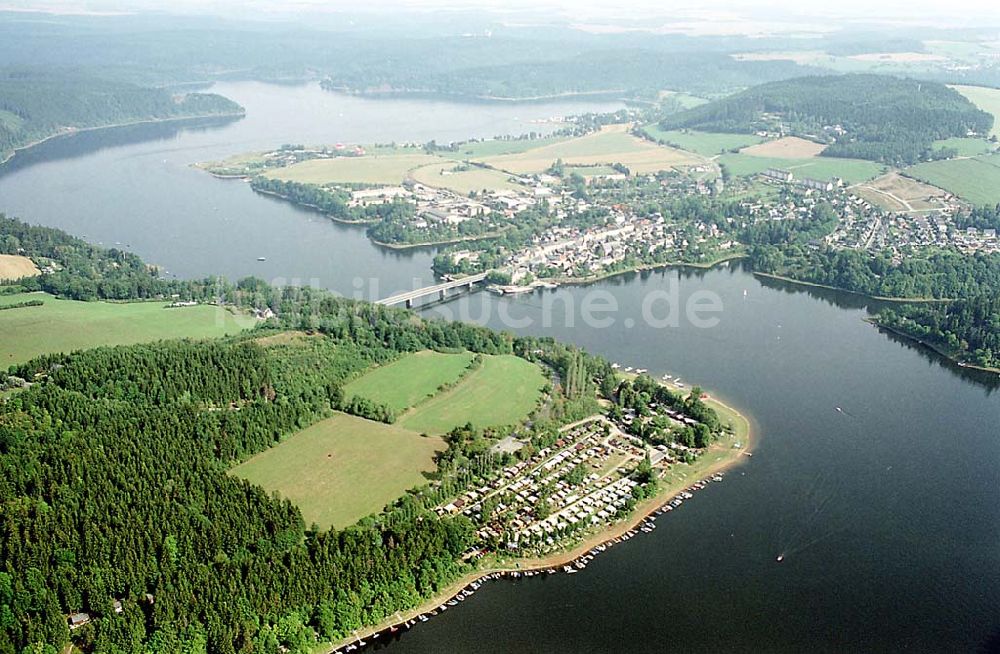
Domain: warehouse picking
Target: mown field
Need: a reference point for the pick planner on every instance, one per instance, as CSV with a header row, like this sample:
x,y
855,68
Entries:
x,y
823,168
613,144
976,180
66,325
707,144
986,99
13,266
343,468
369,169
409,380
442,175
502,391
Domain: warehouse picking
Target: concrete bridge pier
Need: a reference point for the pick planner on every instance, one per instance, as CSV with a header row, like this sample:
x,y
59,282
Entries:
x,y
409,303
443,293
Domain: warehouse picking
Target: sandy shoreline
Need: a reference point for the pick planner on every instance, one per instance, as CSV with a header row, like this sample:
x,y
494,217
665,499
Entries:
x,y
387,628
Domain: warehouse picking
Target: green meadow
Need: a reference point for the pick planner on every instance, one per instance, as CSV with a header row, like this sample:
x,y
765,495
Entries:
x,y
704,143
502,391
343,468
65,325
976,180
409,380
851,171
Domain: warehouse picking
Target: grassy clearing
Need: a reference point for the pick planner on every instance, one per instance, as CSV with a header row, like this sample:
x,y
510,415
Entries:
x,y
788,147
967,147
13,266
343,468
66,325
502,391
443,175
406,381
851,170
369,169
976,180
613,144
704,143
685,100
986,99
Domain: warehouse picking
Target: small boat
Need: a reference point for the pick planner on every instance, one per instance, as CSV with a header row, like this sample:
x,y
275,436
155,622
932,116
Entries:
x,y
781,557
261,258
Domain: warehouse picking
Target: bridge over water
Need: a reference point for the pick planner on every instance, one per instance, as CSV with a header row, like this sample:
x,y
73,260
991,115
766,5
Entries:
x,y
441,290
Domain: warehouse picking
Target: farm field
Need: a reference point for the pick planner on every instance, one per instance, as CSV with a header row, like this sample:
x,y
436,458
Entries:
x,y
613,144
502,391
704,143
986,99
441,175
896,192
343,468
406,381
851,170
368,169
976,180
13,266
788,147
66,325
499,146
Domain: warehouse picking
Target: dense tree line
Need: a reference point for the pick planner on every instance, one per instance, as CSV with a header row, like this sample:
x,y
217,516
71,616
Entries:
x,y
78,270
885,118
939,274
985,217
114,487
36,105
641,393
967,330
632,72
334,202
821,220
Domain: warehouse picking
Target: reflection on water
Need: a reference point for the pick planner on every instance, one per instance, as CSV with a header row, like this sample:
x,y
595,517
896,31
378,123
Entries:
x,y
80,144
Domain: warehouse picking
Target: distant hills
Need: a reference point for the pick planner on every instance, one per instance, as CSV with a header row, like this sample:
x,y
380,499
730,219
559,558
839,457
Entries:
x,y
876,117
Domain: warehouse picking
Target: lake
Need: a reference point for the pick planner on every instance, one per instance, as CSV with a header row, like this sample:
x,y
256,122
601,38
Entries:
x,y
876,470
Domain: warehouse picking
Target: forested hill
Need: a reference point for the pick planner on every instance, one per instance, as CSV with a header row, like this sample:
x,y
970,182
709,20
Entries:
x,y
35,105
883,118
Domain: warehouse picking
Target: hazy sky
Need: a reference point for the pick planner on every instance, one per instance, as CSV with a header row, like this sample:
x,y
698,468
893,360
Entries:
x,y
724,12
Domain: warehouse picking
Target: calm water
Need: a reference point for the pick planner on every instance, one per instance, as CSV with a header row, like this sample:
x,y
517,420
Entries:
x,y
136,186
888,511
